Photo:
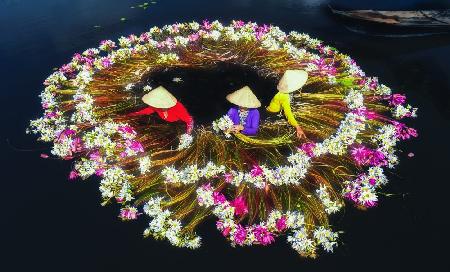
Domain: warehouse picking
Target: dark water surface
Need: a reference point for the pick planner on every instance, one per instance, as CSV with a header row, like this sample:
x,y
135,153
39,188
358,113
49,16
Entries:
x,y
51,224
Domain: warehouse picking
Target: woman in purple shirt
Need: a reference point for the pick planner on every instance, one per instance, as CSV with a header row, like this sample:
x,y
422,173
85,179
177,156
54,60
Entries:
x,y
246,115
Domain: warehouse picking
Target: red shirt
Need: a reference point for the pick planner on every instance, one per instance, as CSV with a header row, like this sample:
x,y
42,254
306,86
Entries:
x,y
175,113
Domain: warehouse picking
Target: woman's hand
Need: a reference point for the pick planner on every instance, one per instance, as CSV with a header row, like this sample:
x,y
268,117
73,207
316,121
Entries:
x,y
238,128
300,133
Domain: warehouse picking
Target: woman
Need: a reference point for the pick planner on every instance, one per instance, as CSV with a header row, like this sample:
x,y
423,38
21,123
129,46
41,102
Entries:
x,y
291,81
166,106
246,115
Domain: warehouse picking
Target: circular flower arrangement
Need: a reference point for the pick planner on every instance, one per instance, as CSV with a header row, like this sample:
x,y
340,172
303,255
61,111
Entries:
x,y
258,188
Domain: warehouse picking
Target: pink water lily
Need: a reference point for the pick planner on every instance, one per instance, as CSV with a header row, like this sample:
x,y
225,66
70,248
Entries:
x,y
108,44
366,156
100,172
106,62
361,154
175,28
63,135
134,145
219,198
126,130
78,58
76,145
221,226
308,148
280,224
373,84
95,156
397,99
263,236
90,53
361,81
228,177
403,132
238,24
128,213
68,70
133,38
261,31
73,175
377,158
193,37
256,171
240,205
370,115
51,114
323,67
206,25
145,37
240,235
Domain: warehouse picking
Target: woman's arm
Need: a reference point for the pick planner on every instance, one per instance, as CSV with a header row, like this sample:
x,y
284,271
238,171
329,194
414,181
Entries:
x,y
253,126
233,114
286,104
145,111
184,116
274,105
291,119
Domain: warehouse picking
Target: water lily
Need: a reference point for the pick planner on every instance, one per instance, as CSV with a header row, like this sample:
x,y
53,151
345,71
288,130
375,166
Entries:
x,y
134,145
193,37
308,148
256,171
228,177
126,129
281,223
51,114
403,132
240,205
240,235
397,99
263,236
362,111
219,198
73,175
206,24
100,171
129,213
238,24
76,145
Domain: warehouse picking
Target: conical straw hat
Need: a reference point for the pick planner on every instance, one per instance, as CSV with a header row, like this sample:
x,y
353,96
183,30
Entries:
x,y
160,98
244,98
292,80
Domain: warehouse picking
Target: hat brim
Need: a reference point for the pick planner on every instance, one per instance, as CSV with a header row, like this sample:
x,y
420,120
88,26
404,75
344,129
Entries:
x,y
292,83
244,97
159,98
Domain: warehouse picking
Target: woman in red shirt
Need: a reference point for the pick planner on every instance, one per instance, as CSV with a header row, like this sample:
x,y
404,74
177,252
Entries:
x,y
166,106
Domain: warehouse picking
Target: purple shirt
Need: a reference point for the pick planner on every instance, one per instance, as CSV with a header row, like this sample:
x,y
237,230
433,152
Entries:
x,y
251,122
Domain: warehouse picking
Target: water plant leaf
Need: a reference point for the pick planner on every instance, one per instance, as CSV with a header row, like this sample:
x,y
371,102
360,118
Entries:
x,y
144,5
